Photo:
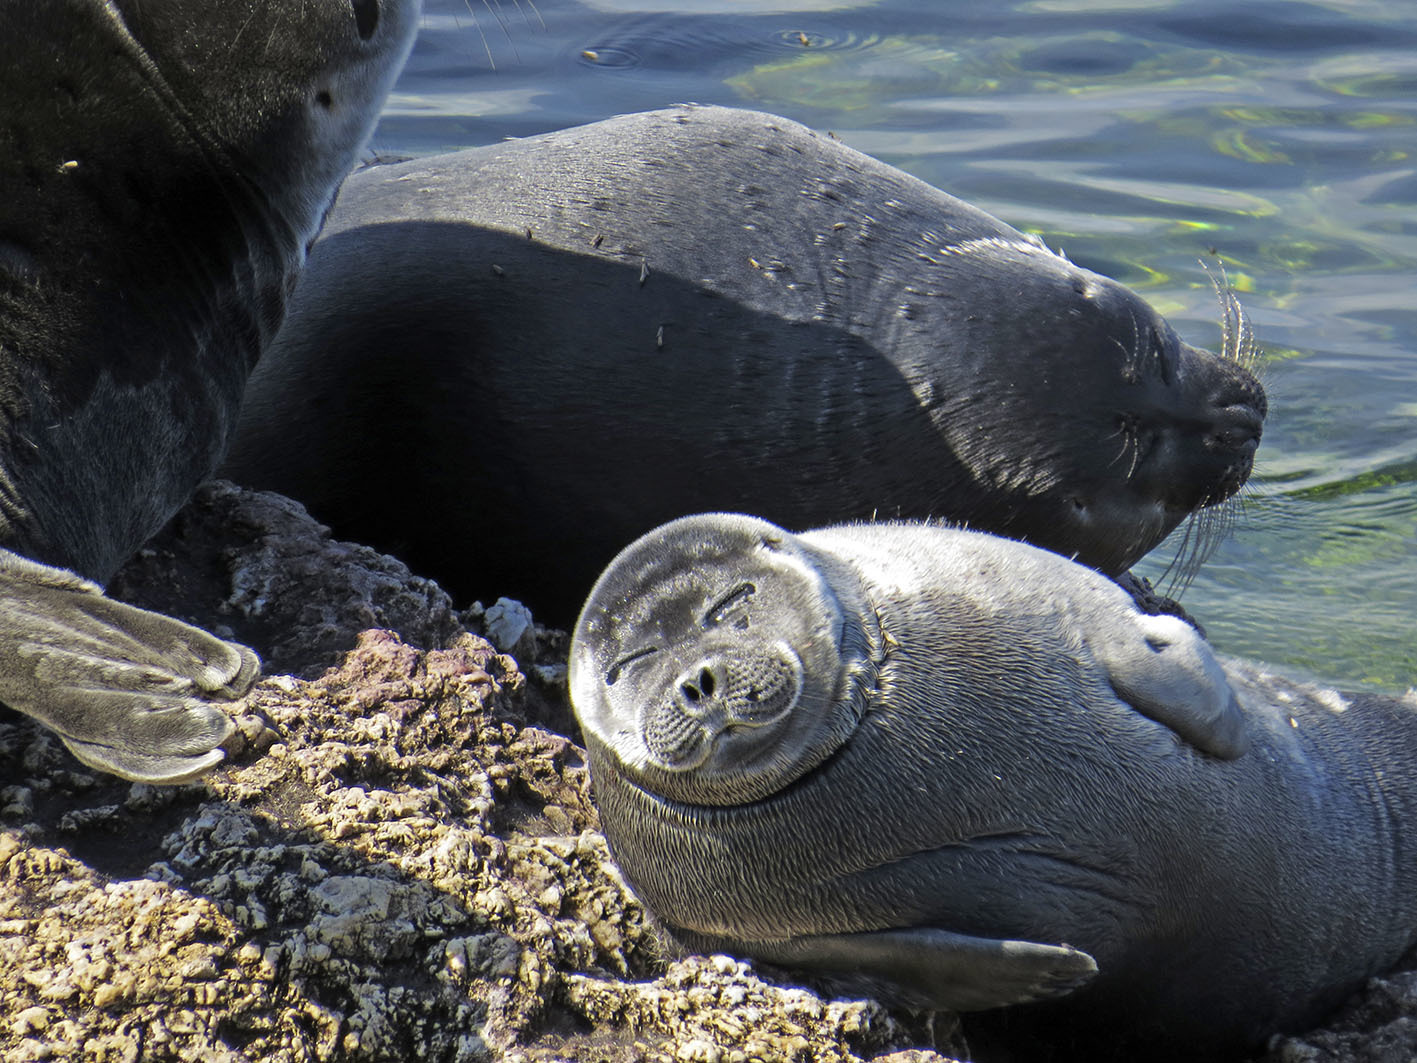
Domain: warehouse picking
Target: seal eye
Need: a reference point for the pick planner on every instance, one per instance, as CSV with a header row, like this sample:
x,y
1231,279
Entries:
x,y
366,17
613,674
732,602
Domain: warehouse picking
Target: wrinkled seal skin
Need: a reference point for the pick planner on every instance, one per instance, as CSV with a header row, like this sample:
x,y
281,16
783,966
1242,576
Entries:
x,y
166,165
606,327
978,785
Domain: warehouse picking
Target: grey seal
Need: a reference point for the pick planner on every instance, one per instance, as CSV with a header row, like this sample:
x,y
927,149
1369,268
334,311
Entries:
x,y
962,772
166,166
565,340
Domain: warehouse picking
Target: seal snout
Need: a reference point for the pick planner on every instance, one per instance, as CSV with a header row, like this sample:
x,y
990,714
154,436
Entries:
x,y
1237,427
1233,435
724,692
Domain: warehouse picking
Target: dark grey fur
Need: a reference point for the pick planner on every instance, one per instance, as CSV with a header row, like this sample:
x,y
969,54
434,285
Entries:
x,y
568,339
165,166
967,801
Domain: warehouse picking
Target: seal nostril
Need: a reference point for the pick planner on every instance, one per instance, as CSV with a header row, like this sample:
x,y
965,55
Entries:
x,y
706,682
366,17
690,691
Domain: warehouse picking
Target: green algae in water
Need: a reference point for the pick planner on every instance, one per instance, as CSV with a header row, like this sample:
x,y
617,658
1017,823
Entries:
x,y
1387,476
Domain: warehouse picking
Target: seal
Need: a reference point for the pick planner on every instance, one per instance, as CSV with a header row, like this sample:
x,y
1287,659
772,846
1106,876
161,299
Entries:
x,y
606,327
958,771
166,167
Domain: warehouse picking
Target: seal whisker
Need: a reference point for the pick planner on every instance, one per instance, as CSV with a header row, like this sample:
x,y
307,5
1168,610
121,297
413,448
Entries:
x,y
531,4
1138,354
486,44
1237,337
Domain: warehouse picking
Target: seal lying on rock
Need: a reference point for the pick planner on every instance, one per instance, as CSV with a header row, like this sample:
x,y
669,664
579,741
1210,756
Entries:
x,y
568,339
166,167
949,766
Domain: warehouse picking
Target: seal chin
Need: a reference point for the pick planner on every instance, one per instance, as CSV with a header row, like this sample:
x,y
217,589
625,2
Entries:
x,y
715,664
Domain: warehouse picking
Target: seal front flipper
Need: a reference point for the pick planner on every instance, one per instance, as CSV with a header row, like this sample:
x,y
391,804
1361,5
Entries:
x,y
1164,669
129,691
934,968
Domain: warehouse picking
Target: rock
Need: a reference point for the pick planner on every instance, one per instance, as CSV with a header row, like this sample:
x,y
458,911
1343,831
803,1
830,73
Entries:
x,y
508,624
254,567
1378,1026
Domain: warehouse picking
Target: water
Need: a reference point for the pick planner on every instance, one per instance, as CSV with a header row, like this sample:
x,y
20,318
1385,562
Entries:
x,y
1140,137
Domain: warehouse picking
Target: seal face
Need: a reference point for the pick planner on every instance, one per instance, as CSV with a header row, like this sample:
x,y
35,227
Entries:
x,y
982,778
727,655
167,164
702,308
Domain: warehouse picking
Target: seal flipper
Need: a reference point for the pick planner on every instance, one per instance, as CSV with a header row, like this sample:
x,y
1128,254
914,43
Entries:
x,y
128,691
1164,669
934,968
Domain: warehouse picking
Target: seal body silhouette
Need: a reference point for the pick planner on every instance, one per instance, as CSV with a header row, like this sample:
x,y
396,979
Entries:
x,y
166,165
960,771
606,327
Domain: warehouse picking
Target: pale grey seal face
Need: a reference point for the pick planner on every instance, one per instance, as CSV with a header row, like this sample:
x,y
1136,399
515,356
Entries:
x,y
715,663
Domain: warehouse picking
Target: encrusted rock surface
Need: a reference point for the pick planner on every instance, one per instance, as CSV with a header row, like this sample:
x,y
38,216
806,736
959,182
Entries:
x,y
397,863
1378,1026
253,567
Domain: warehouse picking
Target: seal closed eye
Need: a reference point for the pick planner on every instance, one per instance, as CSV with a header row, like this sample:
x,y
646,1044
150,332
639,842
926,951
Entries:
x,y
998,784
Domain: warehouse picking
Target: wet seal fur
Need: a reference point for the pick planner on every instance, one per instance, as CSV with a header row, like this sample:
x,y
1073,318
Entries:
x,y
962,772
167,164
607,327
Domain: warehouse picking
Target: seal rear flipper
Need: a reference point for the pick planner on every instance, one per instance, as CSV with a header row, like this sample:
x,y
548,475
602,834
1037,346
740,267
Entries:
x,y
1165,670
934,968
129,691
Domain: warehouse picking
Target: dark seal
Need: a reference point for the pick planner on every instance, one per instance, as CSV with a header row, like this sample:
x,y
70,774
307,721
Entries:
x,y
166,166
958,771
565,340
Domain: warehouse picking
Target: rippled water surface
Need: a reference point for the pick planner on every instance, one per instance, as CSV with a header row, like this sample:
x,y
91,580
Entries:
x,y
1140,137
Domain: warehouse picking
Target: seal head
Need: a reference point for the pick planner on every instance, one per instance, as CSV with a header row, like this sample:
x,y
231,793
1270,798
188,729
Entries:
x,y
716,664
